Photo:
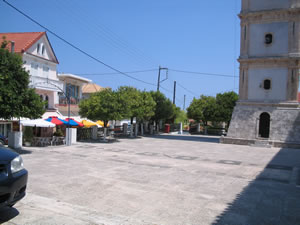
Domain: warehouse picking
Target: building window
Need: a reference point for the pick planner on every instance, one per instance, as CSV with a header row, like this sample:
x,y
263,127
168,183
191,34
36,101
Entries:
x,y
47,102
34,69
267,84
72,90
43,50
268,39
45,71
38,48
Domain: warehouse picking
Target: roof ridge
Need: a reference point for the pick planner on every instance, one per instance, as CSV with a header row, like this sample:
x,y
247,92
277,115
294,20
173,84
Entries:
x,y
34,40
22,32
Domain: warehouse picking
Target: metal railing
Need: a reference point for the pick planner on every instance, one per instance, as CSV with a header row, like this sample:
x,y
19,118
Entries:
x,y
45,83
64,100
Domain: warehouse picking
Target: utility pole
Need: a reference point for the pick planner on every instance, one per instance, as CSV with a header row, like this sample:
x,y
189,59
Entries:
x,y
184,103
174,92
158,80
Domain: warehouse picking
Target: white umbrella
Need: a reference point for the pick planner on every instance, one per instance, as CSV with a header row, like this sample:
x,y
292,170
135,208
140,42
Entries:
x,y
37,123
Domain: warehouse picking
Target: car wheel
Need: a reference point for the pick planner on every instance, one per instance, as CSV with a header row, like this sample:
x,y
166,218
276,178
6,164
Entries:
x,y
2,142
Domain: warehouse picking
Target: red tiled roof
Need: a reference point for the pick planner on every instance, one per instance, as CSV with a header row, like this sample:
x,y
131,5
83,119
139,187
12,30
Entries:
x,y
23,41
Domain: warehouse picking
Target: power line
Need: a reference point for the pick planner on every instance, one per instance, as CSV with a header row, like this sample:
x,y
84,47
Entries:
x,y
201,73
73,46
102,74
194,94
166,89
104,32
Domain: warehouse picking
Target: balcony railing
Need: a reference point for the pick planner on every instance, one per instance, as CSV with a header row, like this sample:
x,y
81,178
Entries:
x,y
64,101
46,84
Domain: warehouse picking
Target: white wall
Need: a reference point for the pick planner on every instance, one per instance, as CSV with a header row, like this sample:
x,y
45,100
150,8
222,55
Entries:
x,y
278,77
279,47
256,5
28,60
52,96
47,54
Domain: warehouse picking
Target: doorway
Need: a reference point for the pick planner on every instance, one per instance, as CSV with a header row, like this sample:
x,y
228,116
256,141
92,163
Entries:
x,y
264,125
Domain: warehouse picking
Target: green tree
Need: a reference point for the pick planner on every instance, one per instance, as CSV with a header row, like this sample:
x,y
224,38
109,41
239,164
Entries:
x,y
203,109
164,109
147,107
104,105
181,116
131,100
225,105
16,98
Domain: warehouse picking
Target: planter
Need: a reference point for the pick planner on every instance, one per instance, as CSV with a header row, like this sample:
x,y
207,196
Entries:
x,y
27,143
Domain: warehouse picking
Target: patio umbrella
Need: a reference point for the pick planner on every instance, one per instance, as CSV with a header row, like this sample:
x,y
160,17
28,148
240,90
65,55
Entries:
x,y
56,120
74,123
101,123
36,123
88,123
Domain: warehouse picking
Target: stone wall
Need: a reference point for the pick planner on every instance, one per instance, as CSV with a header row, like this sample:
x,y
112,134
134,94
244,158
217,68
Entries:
x,y
284,124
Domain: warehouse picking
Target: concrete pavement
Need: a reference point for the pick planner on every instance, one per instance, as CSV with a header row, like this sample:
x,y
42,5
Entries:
x,y
166,179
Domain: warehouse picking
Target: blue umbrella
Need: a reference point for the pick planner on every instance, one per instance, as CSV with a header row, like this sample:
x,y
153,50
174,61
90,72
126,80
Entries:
x,y
72,122
56,120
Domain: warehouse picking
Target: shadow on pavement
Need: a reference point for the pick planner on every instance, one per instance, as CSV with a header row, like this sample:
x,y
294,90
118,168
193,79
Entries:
x,y
272,197
23,151
7,214
211,139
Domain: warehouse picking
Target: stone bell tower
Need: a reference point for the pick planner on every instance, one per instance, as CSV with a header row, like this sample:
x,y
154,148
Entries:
x,y
268,109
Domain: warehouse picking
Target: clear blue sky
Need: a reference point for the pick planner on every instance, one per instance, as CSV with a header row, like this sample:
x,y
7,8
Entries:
x,y
134,35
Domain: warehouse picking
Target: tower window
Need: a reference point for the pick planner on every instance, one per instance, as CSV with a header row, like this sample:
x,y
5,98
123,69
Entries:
x,y
267,84
268,39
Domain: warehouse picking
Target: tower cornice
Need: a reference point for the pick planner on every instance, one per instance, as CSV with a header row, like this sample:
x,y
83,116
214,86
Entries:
x,y
270,15
291,62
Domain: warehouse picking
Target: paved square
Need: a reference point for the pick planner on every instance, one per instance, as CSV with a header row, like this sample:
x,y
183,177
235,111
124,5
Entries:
x,y
166,179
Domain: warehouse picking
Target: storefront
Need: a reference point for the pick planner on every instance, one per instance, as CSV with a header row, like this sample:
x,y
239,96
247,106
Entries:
x,y
5,128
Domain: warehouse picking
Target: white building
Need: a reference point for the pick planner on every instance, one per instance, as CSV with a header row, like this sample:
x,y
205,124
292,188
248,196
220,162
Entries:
x,y
72,86
268,110
40,60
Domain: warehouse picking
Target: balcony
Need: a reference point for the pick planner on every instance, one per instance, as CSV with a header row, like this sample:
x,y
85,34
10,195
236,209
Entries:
x,y
45,84
64,101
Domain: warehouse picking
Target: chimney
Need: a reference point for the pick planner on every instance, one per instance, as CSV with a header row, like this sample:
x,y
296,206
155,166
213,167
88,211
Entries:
x,y
12,46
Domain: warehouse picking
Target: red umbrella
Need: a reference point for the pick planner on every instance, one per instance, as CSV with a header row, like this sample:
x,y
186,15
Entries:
x,y
56,120
72,121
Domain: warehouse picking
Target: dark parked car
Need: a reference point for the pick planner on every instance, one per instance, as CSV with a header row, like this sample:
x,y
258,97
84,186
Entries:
x,y
3,140
13,177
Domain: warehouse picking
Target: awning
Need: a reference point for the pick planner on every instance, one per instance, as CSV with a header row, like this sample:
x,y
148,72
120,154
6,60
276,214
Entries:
x,y
56,121
74,123
88,123
101,123
36,123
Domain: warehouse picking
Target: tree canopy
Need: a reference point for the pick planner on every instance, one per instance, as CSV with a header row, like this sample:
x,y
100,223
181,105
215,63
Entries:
x,y
16,98
131,101
225,105
203,109
164,109
104,105
208,108
128,102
